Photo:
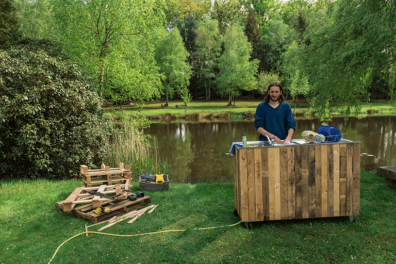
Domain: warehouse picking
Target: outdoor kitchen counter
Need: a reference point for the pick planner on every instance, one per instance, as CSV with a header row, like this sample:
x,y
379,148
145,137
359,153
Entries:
x,y
298,181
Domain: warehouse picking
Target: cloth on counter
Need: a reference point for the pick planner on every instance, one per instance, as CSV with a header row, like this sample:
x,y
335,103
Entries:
x,y
232,150
311,136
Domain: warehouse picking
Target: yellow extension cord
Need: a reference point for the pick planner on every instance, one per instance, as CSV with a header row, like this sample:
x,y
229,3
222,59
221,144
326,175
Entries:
x,y
153,233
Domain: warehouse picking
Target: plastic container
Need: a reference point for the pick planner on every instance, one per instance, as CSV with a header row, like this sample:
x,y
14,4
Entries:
x,y
244,140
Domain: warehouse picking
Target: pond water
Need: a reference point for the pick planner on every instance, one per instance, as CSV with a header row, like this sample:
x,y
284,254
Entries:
x,y
196,151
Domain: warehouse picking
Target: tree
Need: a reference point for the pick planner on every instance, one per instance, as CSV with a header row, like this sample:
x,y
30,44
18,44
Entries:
x,y
236,71
264,79
252,31
114,41
9,24
171,56
347,51
209,43
50,116
225,11
35,18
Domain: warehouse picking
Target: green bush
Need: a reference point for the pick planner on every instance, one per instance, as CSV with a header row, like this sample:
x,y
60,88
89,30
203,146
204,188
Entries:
x,y
50,116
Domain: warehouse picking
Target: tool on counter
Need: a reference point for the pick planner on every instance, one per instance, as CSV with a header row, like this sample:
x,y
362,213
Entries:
x,y
270,141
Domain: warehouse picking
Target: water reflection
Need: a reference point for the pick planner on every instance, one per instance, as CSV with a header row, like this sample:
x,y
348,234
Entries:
x,y
196,151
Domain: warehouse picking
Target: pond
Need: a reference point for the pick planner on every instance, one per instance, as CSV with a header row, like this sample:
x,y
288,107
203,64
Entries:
x,y
196,151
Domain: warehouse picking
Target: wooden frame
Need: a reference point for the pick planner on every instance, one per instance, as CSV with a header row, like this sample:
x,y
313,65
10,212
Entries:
x,y
297,181
105,175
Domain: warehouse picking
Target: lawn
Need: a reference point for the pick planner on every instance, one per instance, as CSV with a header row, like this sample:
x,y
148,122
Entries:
x,y
32,229
208,108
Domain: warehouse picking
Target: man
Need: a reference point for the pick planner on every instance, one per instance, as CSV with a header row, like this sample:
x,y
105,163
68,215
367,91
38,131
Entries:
x,y
274,116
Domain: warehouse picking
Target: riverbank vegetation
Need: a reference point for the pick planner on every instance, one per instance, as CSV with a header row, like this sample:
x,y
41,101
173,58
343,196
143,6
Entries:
x,y
185,207
199,110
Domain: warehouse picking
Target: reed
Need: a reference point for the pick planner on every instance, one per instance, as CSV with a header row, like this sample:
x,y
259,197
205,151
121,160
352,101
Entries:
x,y
129,145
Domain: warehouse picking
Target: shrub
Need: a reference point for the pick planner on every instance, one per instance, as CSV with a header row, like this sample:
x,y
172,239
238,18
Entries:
x,y
50,116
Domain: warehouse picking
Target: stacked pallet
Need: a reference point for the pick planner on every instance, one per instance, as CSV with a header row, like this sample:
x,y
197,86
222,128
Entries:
x,y
98,184
105,175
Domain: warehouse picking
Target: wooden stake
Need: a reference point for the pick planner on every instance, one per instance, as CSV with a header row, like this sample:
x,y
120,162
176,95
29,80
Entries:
x,y
134,219
149,212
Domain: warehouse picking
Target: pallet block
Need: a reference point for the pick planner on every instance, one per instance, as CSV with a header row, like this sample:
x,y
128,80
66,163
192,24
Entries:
x,y
105,175
116,207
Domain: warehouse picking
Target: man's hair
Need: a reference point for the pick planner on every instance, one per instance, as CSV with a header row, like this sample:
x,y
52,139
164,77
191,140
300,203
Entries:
x,y
267,97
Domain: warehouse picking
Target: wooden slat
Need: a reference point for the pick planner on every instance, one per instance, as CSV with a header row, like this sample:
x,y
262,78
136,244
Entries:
x,y
356,179
318,181
336,163
277,183
324,169
271,183
298,182
305,188
259,185
330,181
244,212
349,194
68,203
343,176
110,172
235,179
291,183
284,183
311,182
251,186
264,165
239,182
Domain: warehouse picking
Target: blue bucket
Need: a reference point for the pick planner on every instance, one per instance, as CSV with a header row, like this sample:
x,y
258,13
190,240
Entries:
x,y
332,134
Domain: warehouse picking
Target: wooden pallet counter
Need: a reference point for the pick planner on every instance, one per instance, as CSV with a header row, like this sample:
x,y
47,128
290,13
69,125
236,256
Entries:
x,y
297,181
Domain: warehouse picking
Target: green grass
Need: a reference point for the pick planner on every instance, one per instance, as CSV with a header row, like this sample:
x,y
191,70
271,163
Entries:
x,y
218,109
32,229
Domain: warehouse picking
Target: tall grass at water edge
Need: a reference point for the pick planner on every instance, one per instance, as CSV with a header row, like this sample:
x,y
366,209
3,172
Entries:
x,y
130,146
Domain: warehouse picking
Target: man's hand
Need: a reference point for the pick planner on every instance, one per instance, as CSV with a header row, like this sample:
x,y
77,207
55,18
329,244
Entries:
x,y
276,139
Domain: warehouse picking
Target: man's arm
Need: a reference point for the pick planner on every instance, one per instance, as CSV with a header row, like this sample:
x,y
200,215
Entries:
x,y
289,136
262,131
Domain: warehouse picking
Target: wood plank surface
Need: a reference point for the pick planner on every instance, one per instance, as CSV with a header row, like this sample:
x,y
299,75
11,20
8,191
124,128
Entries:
x,y
311,182
251,186
291,183
259,185
343,176
349,194
298,182
330,181
324,172
356,179
243,164
271,183
336,170
304,179
318,182
284,183
278,212
264,167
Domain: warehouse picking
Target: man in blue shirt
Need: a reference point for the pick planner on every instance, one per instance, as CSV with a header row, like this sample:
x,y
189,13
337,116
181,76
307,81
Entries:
x,y
274,116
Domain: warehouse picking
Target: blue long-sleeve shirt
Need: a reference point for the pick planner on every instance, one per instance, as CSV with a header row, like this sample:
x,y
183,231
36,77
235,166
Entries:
x,y
277,120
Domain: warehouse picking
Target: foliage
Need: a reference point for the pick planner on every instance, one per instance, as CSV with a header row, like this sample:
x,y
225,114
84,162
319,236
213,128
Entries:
x,y
236,71
50,116
114,41
209,43
185,96
171,57
264,79
35,18
225,12
349,50
9,24
129,145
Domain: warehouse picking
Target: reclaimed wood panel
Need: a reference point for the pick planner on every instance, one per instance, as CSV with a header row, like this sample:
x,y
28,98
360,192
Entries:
x,y
259,185
264,167
297,182
291,183
284,183
244,212
251,185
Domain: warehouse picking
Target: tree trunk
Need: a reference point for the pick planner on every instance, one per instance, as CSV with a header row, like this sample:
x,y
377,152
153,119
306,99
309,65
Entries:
x,y
209,90
295,103
229,99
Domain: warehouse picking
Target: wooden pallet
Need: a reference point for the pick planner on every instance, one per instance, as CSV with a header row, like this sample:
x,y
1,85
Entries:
x,y
81,195
117,208
105,175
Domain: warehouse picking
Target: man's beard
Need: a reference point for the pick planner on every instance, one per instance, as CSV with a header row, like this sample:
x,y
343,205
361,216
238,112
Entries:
x,y
276,100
